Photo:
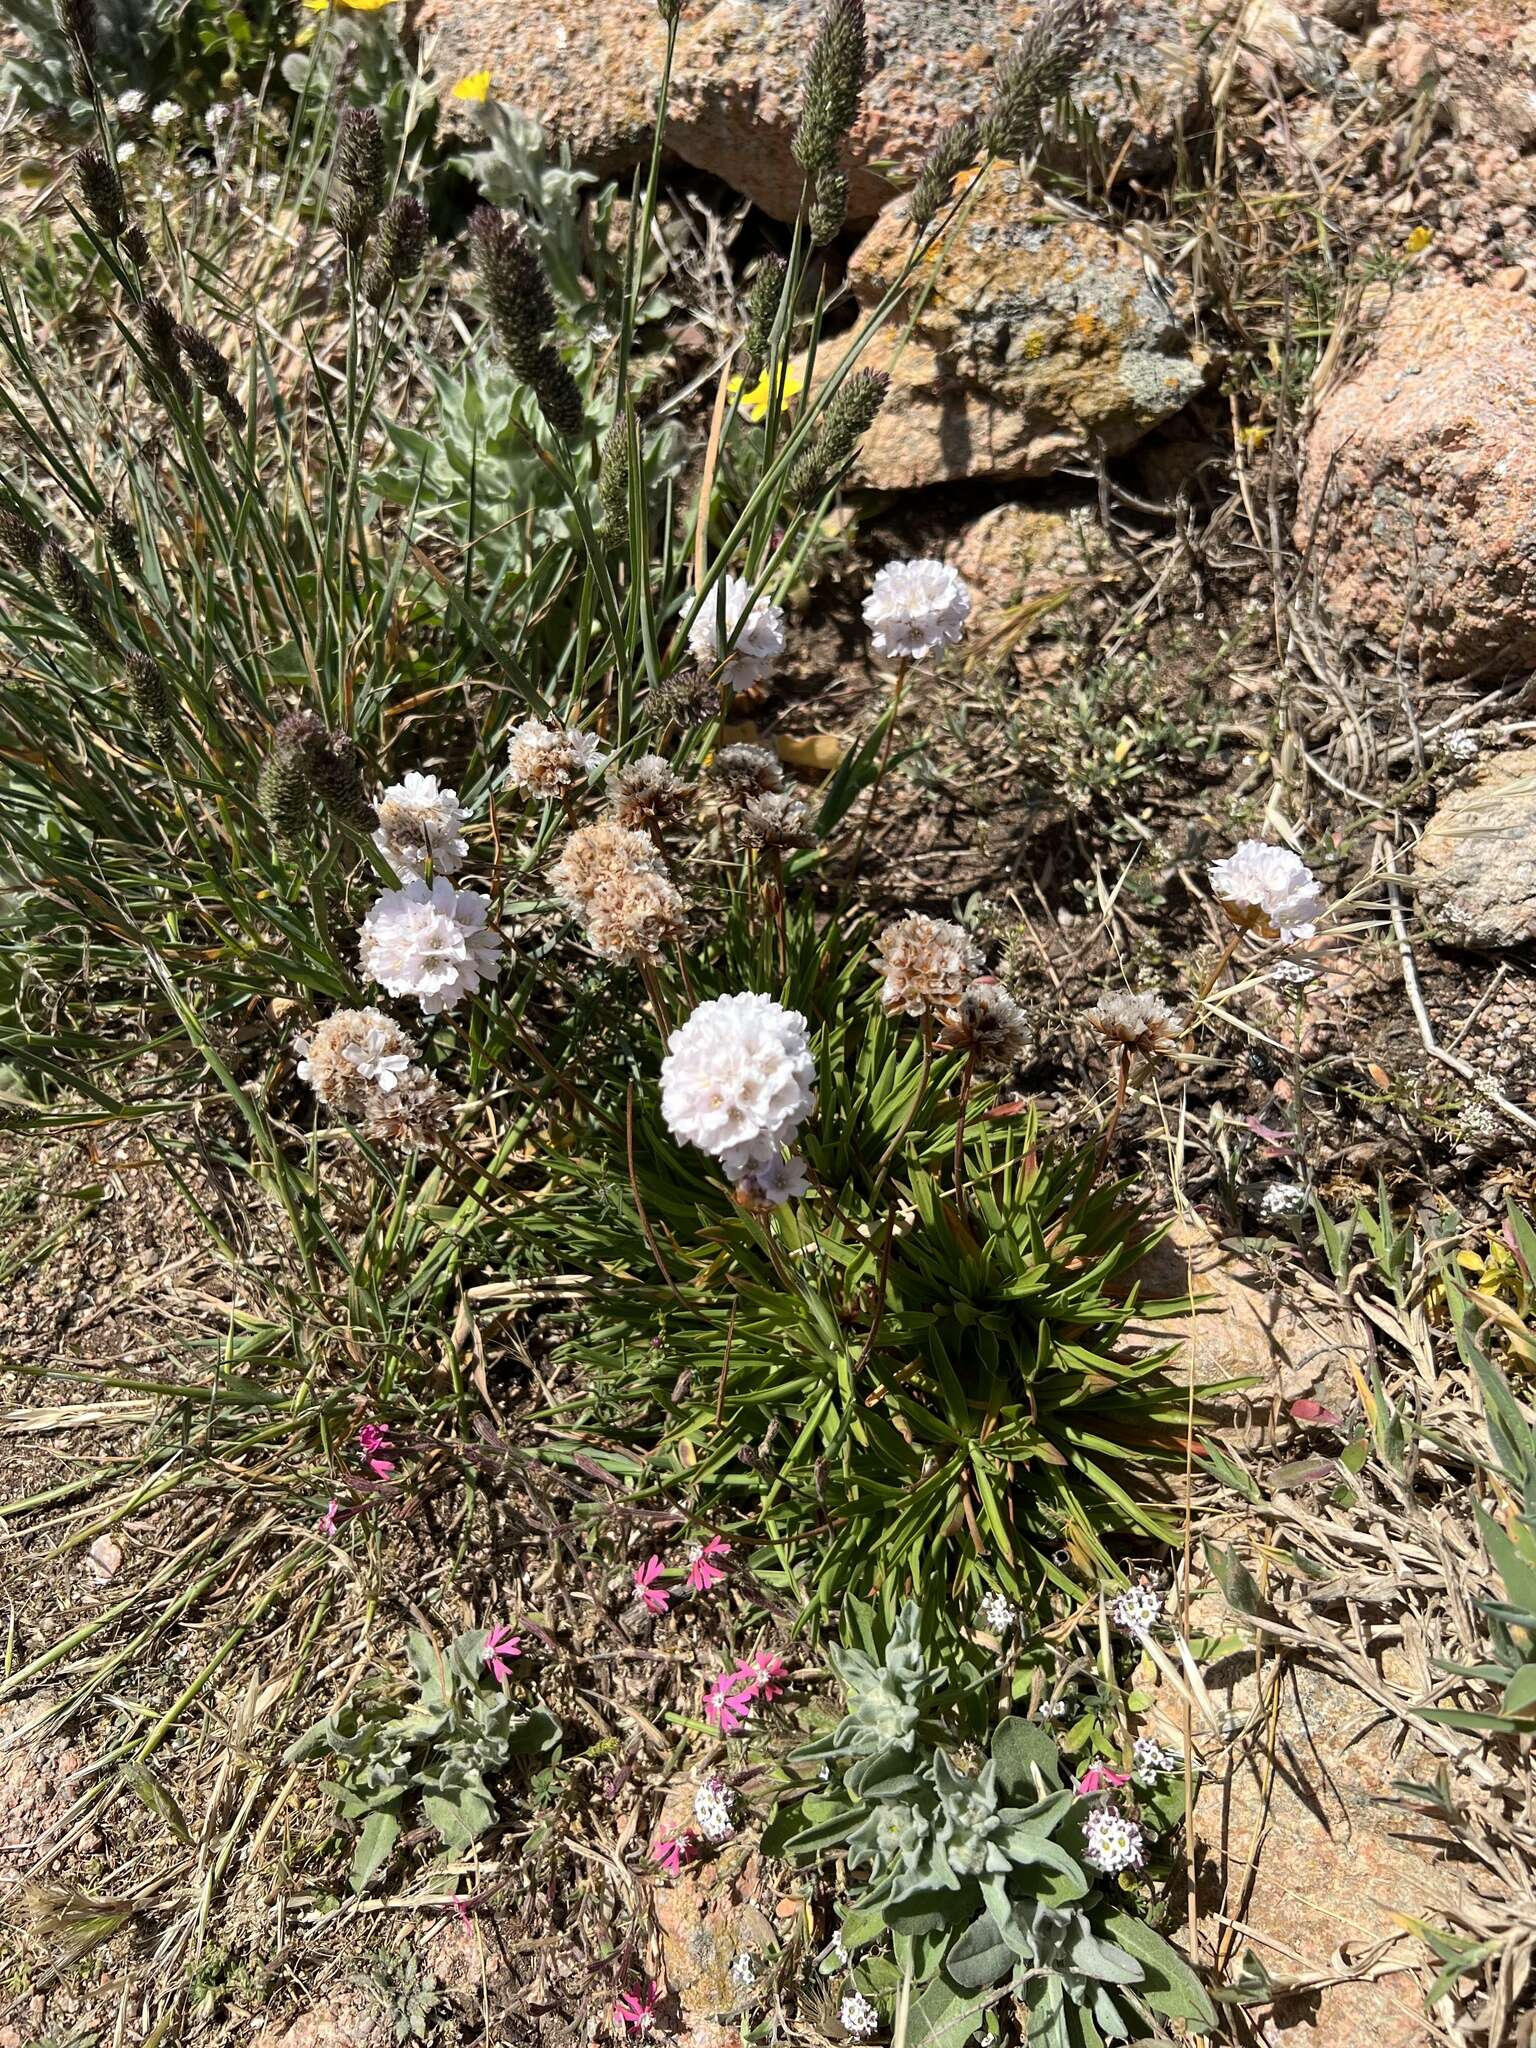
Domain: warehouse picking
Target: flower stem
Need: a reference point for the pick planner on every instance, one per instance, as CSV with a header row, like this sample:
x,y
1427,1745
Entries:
x,y
902,667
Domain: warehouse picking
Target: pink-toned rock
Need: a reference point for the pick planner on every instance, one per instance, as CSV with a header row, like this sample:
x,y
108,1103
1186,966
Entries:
x,y
349,2025
708,1916
1027,339
1418,495
588,72
1023,564
1475,867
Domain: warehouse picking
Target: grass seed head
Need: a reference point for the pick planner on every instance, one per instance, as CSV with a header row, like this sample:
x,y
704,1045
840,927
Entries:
x,y
69,587
21,541
1037,71
398,248
154,701
359,175
160,332
850,413
834,75
955,150
767,289
522,313
101,191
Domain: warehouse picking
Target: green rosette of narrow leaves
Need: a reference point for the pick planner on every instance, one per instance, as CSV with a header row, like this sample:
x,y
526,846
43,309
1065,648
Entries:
x,y
909,1382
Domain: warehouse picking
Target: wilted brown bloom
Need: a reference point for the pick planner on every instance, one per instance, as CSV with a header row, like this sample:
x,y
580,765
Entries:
x,y
987,1024
776,821
690,697
648,794
598,854
927,963
352,1056
632,916
739,772
416,1115
1141,1022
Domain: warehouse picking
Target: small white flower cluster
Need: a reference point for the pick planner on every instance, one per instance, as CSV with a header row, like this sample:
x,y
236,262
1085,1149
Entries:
x,y
770,1186
744,1970
1460,746
131,102
1137,1610
429,941
714,1808
420,822
915,609
1150,1761
998,1613
1268,890
1111,1842
1294,973
1283,1199
738,1081
547,760
753,643
860,2016
165,113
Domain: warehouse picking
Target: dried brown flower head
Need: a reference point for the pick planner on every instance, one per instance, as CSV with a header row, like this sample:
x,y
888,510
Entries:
x,y
648,795
352,1056
688,698
633,916
927,963
776,821
597,854
987,1024
739,772
416,1115
1140,1021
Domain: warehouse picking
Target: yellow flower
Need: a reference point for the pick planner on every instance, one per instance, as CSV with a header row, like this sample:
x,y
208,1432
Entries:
x,y
754,402
474,85
349,6
1418,241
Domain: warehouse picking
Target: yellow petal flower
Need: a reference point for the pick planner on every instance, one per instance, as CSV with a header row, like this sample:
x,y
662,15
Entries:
x,y
474,85
754,402
1419,241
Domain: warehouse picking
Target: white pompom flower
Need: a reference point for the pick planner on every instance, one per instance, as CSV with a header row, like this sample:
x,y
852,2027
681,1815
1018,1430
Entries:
x,y
1268,890
916,608
418,820
754,641
429,942
738,1081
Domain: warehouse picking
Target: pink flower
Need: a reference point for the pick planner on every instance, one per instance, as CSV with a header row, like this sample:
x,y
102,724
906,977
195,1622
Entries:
x,y
655,1597
728,1700
501,1646
703,1572
670,1856
373,1442
769,1672
636,2009
326,1525
1099,1778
